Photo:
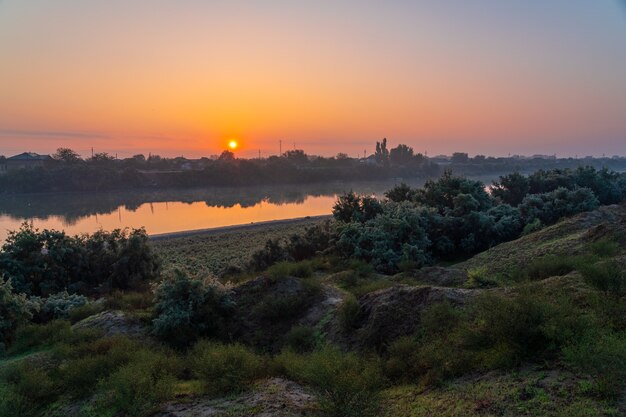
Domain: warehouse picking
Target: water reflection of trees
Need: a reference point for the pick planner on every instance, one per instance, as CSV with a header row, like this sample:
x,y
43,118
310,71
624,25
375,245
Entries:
x,y
73,207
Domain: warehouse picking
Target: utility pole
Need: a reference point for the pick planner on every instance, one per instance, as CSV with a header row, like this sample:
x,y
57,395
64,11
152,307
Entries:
x,y
92,152
259,154
280,148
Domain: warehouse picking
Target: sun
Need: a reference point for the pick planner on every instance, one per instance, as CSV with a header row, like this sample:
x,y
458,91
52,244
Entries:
x,y
233,144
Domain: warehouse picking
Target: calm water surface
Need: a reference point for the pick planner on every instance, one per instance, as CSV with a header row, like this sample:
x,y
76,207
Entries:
x,y
172,211
167,211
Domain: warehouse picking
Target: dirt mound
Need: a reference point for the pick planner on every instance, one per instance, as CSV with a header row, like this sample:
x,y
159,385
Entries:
x,y
268,308
568,237
388,314
113,323
438,276
275,397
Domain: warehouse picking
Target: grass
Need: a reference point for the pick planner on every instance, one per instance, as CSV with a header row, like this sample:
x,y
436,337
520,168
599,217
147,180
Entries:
x,y
220,253
532,392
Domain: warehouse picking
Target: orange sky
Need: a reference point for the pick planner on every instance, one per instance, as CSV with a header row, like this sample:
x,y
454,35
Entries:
x,y
184,77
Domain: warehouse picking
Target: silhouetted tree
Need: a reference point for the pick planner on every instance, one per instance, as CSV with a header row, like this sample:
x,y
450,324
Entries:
x,y
66,155
227,156
460,158
401,155
382,153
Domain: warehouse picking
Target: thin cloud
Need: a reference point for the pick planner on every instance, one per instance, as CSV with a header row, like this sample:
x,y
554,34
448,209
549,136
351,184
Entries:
x,y
51,134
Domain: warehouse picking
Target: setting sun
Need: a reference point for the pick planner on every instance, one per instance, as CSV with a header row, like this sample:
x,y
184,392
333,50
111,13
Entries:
x,y
233,144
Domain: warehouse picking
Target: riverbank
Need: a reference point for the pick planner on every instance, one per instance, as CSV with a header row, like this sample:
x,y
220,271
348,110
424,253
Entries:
x,y
213,251
254,226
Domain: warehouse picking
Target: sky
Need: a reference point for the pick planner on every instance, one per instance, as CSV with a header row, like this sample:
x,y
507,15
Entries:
x,y
184,77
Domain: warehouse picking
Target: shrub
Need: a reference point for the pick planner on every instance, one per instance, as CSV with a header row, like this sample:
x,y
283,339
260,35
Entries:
x,y
47,262
29,382
187,309
349,312
548,266
89,362
552,206
32,335
302,339
477,278
79,313
348,385
137,387
60,305
604,357
532,227
15,309
289,269
225,369
609,277
13,404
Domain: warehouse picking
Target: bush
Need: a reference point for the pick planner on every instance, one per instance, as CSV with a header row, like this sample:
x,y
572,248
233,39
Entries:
x,y
15,309
289,269
137,387
13,404
302,339
548,266
609,277
60,305
349,312
532,227
347,385
477,278
552,206
47,262
29,382
187,309
604,357
89,362
32,335
225,369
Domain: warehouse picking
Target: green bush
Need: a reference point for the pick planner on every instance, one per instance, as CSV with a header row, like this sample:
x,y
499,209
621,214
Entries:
x,y
80,313
13,404
604,357
187,309
225,369
139,386
347,384
89,362
60,306
289,269
302,339
28,381
15,309
477,278
609,277
47,262
349,312
532,227
548,266
33,335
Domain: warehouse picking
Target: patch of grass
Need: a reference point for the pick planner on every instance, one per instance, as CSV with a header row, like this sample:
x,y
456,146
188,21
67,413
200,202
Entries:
x,y
358,285
129,301
604,357
347,384
478,278
45,335
605,248
139,386
348,312
606,276
216,253
302,339
225,369
529,393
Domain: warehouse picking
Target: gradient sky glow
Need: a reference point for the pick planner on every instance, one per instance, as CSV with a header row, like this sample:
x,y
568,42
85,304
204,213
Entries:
x,y
183,77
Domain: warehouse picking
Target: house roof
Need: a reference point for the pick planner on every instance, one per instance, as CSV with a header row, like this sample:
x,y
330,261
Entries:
x,y
29,156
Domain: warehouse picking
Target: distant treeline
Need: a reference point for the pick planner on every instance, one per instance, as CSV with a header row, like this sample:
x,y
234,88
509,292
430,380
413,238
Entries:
x,y
66,171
